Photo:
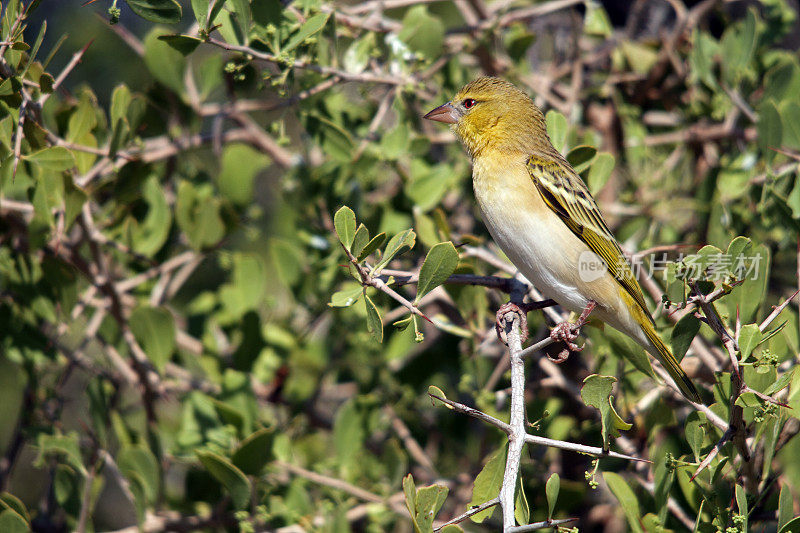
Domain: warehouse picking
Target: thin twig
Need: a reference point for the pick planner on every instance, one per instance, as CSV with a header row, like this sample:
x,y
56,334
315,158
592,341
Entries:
x,y
331,482
472,511
548,524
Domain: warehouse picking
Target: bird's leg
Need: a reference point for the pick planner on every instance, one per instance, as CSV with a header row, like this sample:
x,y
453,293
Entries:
x,y
568,332
522,311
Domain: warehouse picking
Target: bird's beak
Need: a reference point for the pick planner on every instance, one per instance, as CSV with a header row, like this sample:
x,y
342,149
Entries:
x,y
444,113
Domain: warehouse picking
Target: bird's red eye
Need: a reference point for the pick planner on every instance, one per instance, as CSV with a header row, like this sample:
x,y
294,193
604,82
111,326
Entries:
x,y
469,102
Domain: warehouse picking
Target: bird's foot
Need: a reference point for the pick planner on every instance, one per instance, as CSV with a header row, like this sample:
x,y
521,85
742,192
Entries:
x,y
521,310
567,332
500,319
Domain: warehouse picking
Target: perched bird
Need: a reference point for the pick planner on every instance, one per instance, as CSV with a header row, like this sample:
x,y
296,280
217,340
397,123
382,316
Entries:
x,y
541,214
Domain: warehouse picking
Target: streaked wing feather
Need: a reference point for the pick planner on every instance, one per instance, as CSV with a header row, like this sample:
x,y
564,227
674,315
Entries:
x,y
566,194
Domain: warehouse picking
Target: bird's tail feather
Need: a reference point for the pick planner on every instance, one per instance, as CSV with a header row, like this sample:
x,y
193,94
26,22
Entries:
x,y
671,364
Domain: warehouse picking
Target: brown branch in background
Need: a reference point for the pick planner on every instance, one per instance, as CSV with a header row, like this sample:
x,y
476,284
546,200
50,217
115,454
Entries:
x,y
365,77
413,447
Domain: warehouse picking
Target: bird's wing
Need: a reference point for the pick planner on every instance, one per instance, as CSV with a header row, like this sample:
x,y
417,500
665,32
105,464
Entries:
x,y
565,193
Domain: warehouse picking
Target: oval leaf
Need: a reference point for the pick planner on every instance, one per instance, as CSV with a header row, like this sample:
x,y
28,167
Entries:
x,y
345,223
254,452
166,11
154,329
440,262
551,489
228,475
55,158
682,335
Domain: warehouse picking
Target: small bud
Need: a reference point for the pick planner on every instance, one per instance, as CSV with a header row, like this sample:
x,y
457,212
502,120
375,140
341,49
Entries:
x,y
113,14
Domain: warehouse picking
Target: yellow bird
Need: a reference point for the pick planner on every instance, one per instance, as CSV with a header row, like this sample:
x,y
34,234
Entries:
x,y
543,217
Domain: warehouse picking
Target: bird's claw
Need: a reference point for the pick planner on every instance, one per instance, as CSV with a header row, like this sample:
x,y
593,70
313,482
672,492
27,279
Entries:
x,y
499,324
565,332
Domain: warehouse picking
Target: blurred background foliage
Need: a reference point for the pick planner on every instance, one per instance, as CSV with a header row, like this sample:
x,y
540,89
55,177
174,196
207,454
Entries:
x,y
168,257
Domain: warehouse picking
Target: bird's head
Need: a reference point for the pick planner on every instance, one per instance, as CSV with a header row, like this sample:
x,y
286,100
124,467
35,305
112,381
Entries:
x,y
493,114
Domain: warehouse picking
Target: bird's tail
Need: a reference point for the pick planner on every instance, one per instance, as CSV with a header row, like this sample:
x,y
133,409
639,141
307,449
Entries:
x,y
668,361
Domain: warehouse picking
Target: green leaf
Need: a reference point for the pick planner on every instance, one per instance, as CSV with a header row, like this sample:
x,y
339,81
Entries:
x,y
197,212
357,55
309,28
629,349
162,11
785,506
429,500
488,482
770,131
254,452
756,275
683,333
600,171
149,235
120,101
360,240
11,522
374,323
522,511
440,262
185,44
781,383
245,291
65,447
664,480
695,434
596,392
348,432
154,329
371,246
164,62
55,158
741,503
403,323
641,58
581,157
792,526
790,119
551,489
241,11
346,297
749,338
422,32
398,244
140,461
737,46
345,223
200,9
557,129
236,483
410,491
433,390
9,501
596,21
241,164
82,120
46,83
627,499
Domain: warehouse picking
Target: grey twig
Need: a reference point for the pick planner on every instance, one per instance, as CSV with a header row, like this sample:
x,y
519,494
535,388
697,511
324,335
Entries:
x,y
472,511
540,525
516,437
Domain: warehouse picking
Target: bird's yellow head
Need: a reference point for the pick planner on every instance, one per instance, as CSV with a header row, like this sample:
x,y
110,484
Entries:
x,y
491,114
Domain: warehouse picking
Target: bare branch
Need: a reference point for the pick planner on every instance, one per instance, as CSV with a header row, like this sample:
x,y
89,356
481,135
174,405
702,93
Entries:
x,y
471,512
